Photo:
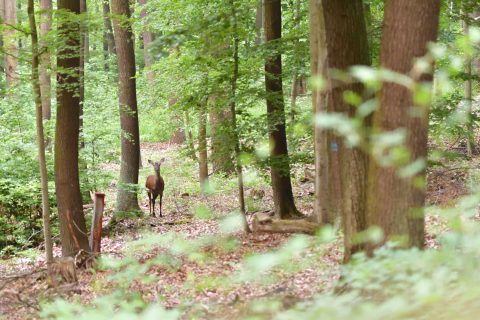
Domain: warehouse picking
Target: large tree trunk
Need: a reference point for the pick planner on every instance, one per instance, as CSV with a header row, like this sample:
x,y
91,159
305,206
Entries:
x,y
395,203
40,136
280,164
127,193
9,42
148,38
73,230
347,45
45,59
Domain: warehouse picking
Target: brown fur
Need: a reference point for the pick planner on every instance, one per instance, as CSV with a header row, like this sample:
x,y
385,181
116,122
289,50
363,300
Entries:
x,y
155,186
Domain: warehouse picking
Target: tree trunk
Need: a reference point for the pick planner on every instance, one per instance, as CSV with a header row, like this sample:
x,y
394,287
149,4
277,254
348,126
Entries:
x,y
395,203
347,45
2,43
73,230
296,61
108,39
85,36
178,137
280,164
148,38
322,203
45,59
83,58
259,22
202,147
127,192
476,60
233,112
221,140
190,142
9,42
468,91
40,136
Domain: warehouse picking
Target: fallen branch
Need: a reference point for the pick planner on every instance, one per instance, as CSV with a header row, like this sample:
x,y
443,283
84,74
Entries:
x,y
263,222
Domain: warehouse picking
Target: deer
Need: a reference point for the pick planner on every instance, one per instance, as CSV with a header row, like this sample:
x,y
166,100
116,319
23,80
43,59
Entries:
x,y
155,186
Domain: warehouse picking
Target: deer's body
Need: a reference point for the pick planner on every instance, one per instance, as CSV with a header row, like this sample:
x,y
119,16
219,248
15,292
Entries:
x,y
155,186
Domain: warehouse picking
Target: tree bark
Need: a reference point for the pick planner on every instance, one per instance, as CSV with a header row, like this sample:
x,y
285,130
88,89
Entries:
x,y
179,136
202,147
259,22
347,45
233,112
9,42
318,52
296,61
73,230
263,222
395,203
190,140
83,58
127,193
221,139
468,92
280,164
40,136
108,38
148,38
45,58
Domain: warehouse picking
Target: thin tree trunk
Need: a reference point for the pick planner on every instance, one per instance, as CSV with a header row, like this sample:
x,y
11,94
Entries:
x,y
318,52
85,36
468,90
259,22
347,45
45,59
9,42
296,62
395,203
108,38
73,230
83,58
202,147
191,143
280,164
2,43
148,38
178,137
127,193
233,111
40,136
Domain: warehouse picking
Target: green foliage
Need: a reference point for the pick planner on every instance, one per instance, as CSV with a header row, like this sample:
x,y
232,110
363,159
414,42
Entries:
x,y
20,201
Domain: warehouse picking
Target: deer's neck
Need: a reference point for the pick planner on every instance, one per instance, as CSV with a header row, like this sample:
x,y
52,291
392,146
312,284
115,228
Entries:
x,y
157,174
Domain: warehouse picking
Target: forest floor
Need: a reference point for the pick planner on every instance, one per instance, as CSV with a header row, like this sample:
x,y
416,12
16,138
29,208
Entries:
x,y
22,290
